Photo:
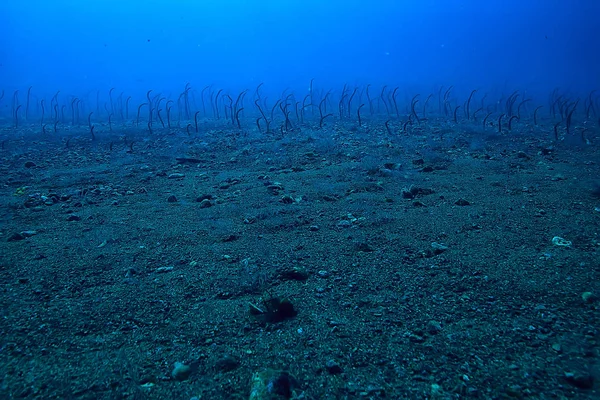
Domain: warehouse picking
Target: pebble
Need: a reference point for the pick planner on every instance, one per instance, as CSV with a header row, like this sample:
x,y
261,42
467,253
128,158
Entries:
x,y
204,197
206,203
15,237
439,247
29,233
558,241
287,199
557,347
344,224
272,384
434,327
181,371
580,380
333,367
295,273
364,247
227,363
587,297
323,274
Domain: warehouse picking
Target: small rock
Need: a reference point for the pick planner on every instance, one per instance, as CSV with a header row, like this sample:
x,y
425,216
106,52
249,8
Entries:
x,y
176,176
15,237
557,347
547,150
333,367
580,380
407,194
206,203
204,197
587,297
344,224
287,199
230,238
29,233
73,217
414,191
275,187
416,338
172,199
462,202
323,274
436,391
227,363
561,242
364,247
181,372
272,385
392,166
438,248
295,273
30,164
434,327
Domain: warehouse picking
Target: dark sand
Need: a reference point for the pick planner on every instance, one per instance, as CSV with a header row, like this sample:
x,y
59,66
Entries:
x,y
420,264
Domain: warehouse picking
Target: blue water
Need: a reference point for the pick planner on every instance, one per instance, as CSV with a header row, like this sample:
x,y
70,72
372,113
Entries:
x,y
134,46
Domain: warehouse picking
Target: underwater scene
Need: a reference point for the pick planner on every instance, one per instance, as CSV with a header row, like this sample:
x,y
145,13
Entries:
x,y
272,200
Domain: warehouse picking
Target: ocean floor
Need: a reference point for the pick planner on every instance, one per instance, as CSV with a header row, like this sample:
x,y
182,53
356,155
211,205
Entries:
x,y
449,261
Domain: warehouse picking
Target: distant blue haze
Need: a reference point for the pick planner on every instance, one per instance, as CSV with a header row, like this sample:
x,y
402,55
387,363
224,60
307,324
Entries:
x,y
78,46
